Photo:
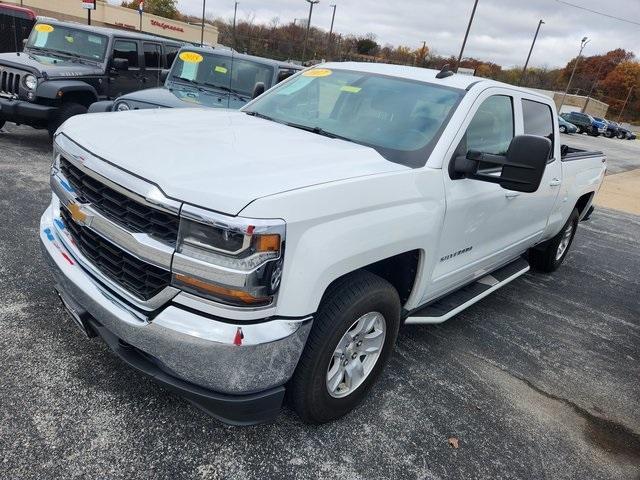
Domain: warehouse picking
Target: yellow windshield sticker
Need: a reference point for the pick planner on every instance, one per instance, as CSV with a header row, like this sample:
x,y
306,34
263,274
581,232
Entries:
x,y
318,72
43,28
191,57
220,69
350,89
69,38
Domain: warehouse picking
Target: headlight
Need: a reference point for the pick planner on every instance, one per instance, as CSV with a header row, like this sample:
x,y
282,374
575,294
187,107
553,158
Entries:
x,y
230,260
30,82
122,107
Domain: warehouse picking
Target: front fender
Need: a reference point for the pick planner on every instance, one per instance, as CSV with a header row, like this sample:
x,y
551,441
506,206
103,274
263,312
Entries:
x,y
54,89
100,107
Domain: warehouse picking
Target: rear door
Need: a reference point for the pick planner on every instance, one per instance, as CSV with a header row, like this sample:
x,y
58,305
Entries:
x,y
153,64
125,81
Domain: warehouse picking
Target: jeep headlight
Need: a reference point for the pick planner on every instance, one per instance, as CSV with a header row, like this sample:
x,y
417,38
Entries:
x,y
230,260
122,107
30,82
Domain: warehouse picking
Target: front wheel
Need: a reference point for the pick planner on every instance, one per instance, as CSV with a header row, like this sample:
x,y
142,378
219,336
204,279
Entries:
x,y
550,255
563,129
65,112
352,337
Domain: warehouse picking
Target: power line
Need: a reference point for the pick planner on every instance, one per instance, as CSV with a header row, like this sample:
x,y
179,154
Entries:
x,y
598,13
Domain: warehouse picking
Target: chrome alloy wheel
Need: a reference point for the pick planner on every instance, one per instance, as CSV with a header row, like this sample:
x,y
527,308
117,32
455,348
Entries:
x,y
356,354
564,243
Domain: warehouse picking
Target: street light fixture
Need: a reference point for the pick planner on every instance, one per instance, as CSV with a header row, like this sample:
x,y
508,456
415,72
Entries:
x,y
540,23
583,43
306,36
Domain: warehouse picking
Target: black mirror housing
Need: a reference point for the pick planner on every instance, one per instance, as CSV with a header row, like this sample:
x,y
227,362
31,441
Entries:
x,y
120,64
258,90
522,167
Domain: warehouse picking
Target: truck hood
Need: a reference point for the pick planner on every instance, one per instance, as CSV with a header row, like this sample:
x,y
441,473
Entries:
x,y
53,66
184,96
220,159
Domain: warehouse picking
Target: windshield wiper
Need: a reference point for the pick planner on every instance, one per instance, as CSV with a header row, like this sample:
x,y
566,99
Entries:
x,y
226,89
262,115
318,131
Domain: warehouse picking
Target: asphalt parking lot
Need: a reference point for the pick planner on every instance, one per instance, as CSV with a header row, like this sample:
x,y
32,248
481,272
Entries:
x,y
539,380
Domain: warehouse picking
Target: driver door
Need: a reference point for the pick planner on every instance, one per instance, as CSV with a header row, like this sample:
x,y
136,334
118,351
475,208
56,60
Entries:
x,y
125,81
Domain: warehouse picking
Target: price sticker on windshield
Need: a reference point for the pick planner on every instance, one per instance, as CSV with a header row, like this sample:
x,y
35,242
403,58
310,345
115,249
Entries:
x,y
350,89
43,28
220,69
191,57
317,72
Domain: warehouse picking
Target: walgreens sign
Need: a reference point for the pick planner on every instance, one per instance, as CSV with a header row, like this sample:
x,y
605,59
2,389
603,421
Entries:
x,y
166,26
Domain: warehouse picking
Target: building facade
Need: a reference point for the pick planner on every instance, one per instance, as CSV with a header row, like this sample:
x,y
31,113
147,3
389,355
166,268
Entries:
x,y
115,16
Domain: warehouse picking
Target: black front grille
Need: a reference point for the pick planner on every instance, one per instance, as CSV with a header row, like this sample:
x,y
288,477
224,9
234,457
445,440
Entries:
x,y
9,81
134,216
136,276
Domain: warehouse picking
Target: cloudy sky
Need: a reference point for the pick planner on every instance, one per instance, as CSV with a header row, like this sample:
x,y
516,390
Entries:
x,y
502,30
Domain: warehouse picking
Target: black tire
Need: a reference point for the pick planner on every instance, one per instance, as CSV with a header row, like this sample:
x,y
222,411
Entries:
x,y
2,122
345,301
608,134
65,112
563,129
544,257
621,135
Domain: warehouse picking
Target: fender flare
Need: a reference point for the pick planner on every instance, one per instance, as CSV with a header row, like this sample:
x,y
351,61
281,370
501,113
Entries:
x,y
54,89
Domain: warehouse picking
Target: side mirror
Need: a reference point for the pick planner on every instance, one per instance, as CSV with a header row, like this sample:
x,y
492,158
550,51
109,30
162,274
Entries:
x,y
258,90
164,74
24,42
522,166
120,64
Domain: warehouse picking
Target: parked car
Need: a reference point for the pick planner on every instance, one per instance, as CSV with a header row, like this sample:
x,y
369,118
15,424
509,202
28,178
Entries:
x,y
610,128
15,25
625,133
585,123
233,255
566,127
67,66
202,77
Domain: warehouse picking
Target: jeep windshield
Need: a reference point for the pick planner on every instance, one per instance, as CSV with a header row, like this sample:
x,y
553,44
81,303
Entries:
x,y
67,42
222,72
402,119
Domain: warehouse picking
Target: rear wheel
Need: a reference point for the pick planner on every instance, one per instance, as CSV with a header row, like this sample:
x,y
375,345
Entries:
x,y
352,337
621,135
550,255
65,112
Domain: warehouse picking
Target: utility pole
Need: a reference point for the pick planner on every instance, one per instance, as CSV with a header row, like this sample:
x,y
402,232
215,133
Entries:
x,y
204,6
306,36
466,35
583,43
593,85
235,14
333,17
540,23
624,104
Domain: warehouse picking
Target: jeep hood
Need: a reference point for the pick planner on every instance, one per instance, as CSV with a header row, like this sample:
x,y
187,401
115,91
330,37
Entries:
x,y
53,66
220,159
185,96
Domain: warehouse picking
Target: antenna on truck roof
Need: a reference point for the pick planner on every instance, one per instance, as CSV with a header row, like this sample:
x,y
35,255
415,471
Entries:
x,y
444,72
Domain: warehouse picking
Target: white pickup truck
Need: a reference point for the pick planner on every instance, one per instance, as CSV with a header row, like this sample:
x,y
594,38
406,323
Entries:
x,y
233,255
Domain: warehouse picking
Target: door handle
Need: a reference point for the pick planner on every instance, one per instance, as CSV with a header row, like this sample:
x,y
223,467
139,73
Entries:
x,y
554,182
512,194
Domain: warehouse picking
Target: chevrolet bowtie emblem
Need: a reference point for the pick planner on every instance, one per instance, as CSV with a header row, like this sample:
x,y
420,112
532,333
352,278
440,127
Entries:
x,y
76,213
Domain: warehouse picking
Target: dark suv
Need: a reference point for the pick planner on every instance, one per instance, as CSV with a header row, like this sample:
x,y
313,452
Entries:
x,y
65,67
585,123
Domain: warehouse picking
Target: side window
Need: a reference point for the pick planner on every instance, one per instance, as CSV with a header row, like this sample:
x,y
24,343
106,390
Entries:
x,y
284,73
152,55
490,131
538,120
127,50
172,52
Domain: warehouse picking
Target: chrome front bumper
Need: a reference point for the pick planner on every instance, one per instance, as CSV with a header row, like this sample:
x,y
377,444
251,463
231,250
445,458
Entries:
x,y
226,356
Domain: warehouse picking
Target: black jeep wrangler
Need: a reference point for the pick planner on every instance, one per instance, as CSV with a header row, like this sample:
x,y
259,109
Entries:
x,y
65,67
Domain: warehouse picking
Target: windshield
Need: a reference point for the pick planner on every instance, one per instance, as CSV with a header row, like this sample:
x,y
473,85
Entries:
x,y
401,118
68,41
221,71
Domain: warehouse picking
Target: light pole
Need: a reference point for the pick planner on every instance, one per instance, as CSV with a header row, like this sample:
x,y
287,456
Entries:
x,y
583,44
235,14
624,104
466,35
204,6
333,17
593,86
306,36
540,23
